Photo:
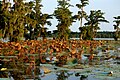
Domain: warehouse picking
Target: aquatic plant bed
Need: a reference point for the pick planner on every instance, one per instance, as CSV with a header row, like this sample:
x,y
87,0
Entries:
x,y
51,59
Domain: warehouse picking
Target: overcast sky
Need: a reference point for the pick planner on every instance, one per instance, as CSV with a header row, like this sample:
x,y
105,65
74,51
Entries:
x,y
110,7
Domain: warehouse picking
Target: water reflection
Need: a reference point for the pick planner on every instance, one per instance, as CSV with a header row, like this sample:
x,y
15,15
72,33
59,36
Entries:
x,y
62,75
84,77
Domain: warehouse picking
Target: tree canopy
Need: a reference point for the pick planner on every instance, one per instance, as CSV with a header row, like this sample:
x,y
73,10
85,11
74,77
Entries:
x,y
117,27
26,20
64,17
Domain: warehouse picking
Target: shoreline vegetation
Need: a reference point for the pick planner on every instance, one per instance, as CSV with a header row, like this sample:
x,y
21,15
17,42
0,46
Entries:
x,y
21,57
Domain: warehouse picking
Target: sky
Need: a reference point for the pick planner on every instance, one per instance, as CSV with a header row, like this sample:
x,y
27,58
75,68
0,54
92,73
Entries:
x,y
111,8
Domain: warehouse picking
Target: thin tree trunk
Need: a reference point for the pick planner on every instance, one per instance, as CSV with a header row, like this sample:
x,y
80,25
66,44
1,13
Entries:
x,y
81,35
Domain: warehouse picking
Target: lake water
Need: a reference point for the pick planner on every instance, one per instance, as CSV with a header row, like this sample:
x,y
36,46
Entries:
x,y
6,40
52,76
103,38
98,38
95,74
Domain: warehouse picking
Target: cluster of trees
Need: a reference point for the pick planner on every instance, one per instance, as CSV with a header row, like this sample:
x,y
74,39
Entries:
x,y
22,19
25,20
100,34
117,27
105,34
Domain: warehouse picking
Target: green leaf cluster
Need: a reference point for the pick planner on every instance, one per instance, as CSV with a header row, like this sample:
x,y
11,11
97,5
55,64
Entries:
x,y
93,21
65,19
116,27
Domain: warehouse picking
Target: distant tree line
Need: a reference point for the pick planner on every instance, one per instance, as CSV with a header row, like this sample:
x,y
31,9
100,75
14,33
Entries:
x,y
26,20
102,34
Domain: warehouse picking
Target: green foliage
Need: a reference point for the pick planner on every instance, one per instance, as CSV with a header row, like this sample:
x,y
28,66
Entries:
x,y
34,31
102,34
116,27
21,18
15,19
42,20
25,19
81,14
83,3
93,21
65,19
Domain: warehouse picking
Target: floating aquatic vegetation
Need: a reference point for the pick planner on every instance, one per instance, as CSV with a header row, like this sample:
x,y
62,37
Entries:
x,y
46,70
103,62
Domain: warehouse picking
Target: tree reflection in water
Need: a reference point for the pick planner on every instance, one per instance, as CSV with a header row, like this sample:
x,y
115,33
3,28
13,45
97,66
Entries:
x,y
84,77
62,75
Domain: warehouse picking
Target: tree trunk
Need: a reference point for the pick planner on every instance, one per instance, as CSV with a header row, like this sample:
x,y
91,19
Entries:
x,y
81,35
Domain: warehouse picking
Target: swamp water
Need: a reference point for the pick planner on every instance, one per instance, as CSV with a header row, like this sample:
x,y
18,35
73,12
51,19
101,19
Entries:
x,y
101,69
97,72
104,66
